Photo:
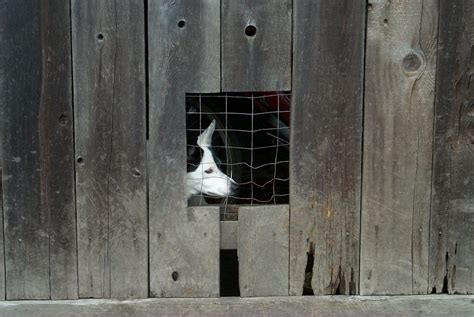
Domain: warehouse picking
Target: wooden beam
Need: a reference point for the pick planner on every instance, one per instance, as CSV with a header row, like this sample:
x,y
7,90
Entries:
x,y
354,306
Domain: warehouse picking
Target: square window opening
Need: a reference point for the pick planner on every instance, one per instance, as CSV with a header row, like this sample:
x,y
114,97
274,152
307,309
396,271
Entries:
x,y
237,149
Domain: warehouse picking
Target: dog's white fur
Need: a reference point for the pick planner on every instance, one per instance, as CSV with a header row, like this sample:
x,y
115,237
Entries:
x,y
208,178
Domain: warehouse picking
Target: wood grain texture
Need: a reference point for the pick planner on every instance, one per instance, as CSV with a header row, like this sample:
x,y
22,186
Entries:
x,y
109,95
261,62
193,269
263,250
181,60
2,240
452,213
398,132
328,53
353,306
2,250
229,235
37,150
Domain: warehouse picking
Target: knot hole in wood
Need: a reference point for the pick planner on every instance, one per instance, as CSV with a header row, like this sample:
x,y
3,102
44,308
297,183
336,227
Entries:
x,y
413,62
250,30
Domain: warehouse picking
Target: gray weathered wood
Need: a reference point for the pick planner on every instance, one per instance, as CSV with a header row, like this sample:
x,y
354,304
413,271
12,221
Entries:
x,y
193,269
2,242
398,132
326,144
354,306
2,250
229,235
184,56
263,248
452,213
109,94
37,150
261,62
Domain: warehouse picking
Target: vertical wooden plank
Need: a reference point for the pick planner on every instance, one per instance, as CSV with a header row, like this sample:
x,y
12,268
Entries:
x,y
452,213
262,61
26,219
196,241
109,94
184,56
2,249
60,161
263,249
398,131
37,147
228,235
2,240
328,52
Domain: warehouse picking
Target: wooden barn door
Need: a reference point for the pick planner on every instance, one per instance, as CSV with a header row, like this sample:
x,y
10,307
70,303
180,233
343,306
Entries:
x,y
93,147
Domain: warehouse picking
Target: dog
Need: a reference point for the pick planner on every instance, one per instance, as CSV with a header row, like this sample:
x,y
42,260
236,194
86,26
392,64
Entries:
x,y
207,178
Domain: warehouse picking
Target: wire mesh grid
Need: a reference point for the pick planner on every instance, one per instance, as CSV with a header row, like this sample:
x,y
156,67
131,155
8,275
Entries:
x,y
250,144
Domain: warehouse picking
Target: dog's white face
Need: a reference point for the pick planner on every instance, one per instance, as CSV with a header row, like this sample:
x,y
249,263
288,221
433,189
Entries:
x,y
208,178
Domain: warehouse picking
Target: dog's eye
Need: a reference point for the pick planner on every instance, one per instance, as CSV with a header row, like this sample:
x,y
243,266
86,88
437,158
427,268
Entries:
x,y
208,171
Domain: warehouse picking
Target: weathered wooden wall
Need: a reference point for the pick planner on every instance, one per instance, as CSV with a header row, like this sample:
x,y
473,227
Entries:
x,y
93,148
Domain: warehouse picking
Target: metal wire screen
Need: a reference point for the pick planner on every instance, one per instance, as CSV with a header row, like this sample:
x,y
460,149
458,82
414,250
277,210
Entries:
x,y
250,144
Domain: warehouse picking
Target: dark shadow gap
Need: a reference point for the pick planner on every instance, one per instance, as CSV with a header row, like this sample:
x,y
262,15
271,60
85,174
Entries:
x,y
445,279
229,273
445,285
73,122
308,274
147,136
338,289
147,81
364,63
